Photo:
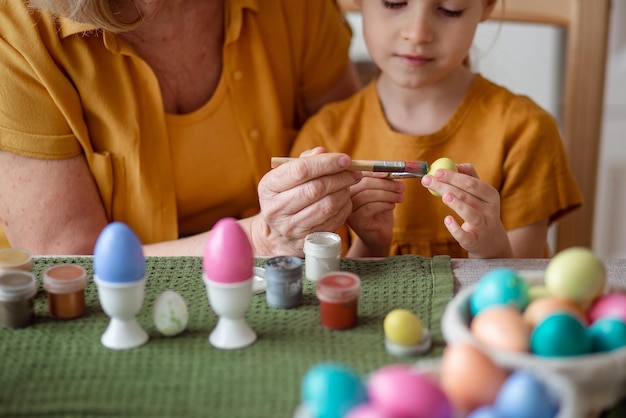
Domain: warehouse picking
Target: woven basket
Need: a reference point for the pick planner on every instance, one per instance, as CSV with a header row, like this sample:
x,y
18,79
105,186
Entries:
x,y
600,377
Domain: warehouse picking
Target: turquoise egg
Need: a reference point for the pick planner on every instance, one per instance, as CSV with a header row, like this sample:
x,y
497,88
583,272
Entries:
x,y
330,390
607,334
560,335
501,286
523,396
118,255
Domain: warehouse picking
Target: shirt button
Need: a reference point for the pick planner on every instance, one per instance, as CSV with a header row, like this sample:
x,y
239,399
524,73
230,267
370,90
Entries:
x,y
237,75
254,134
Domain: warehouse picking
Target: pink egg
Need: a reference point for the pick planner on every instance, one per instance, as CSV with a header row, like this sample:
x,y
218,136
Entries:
x,y
367,411
228,256
401,392
611,305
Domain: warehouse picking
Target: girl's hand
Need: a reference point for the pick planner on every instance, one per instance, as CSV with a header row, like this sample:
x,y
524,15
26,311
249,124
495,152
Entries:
x,y
373,201
306,195
482,233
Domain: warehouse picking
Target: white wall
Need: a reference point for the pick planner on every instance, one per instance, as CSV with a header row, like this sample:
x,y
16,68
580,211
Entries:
x,y
528,59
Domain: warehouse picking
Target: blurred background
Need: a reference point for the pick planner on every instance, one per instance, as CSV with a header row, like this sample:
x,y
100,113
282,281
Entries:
x,y
528,60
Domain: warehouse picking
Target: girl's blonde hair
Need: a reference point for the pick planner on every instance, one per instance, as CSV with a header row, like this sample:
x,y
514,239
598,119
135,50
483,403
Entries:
x,y
104,14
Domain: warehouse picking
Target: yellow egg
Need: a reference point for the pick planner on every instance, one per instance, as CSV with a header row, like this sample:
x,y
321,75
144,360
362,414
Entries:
x,y
441,163
576,274
403,327
536,292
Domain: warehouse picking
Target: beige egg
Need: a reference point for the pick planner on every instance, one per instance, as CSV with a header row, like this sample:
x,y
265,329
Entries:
x,y
501,327
540,308
469,377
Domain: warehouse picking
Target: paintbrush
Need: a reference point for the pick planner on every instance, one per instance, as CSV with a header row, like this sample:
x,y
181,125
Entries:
x,y
397,169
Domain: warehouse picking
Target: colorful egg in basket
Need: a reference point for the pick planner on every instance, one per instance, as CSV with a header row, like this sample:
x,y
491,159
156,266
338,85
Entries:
x,y
565,334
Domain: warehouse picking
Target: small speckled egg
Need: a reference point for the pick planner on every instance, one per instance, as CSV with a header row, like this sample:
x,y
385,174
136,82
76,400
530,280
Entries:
x,y
469,377
402,326
576,274
330,390
443,162
501,327
607,334
541,308
560,335
523,396
401,391
170,313
500,286
611,305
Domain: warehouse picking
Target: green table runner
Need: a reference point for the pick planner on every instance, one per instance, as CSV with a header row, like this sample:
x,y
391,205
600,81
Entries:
x,y
59,368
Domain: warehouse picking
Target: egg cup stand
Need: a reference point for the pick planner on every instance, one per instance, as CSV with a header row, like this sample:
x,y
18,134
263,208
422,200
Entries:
x,y
122,302
600,377
230,302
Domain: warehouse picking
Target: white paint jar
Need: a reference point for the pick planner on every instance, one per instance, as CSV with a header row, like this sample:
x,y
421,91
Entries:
x,y
322,253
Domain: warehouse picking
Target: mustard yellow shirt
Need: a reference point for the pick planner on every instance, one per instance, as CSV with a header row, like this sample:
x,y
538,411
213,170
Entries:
x,y
67,89
514,145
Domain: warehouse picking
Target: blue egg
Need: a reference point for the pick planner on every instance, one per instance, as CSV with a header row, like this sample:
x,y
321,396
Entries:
x,y
500,286
118,256
484,412
331,390
607,334
560,335
524,396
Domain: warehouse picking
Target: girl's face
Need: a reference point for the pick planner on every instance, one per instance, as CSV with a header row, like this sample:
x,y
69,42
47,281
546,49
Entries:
x,y
417,43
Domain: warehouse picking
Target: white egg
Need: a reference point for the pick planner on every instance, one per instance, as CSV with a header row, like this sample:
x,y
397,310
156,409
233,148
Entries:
x,y
170,313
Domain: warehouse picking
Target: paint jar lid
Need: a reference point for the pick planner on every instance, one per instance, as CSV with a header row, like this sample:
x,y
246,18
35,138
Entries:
x,y
65,278
322,244
15,259
17,285
338,286
283,268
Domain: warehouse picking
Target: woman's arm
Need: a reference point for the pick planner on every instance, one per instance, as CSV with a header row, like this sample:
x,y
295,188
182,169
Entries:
x,y
49,206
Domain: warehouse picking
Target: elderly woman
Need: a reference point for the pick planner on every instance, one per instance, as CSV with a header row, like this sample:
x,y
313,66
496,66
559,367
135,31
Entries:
x,y
164,114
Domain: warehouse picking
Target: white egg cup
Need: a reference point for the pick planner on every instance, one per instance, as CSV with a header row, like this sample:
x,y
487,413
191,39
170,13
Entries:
x,y
230,301
401,350
122,302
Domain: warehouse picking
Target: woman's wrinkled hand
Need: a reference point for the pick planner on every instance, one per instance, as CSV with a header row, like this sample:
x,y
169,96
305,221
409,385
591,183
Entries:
x,y
309,194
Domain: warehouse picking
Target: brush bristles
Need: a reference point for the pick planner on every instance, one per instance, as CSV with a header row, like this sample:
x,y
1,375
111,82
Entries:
x,y
416,167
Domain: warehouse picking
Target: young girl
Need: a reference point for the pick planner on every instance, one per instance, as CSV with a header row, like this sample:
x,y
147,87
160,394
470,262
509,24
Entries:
x,y
513,178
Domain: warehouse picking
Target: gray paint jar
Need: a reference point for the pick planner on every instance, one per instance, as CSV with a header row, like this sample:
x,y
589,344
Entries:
x,y
283,281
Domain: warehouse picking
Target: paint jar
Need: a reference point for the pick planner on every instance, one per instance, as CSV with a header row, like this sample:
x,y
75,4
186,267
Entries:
x,y
65,285
322,251
17,298
283,282
338,293
15,259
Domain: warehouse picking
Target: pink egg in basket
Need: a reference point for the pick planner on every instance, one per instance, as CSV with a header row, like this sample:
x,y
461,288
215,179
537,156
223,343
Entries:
x,y
599,376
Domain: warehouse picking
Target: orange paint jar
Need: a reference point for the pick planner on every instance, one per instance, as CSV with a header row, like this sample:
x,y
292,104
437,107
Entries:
x,y
338,293
15,259
65,285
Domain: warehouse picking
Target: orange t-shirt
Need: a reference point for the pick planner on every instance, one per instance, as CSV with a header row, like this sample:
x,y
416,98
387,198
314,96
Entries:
x,y
68,89
514,145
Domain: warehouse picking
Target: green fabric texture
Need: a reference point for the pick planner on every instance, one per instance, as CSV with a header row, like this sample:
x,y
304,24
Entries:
x,y
57,368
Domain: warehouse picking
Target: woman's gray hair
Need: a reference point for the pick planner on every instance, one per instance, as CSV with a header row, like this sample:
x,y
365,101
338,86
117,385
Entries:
x,y
103,14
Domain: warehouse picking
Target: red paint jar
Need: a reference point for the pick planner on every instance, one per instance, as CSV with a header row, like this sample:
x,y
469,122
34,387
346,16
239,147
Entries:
x,y
338,293
65,286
